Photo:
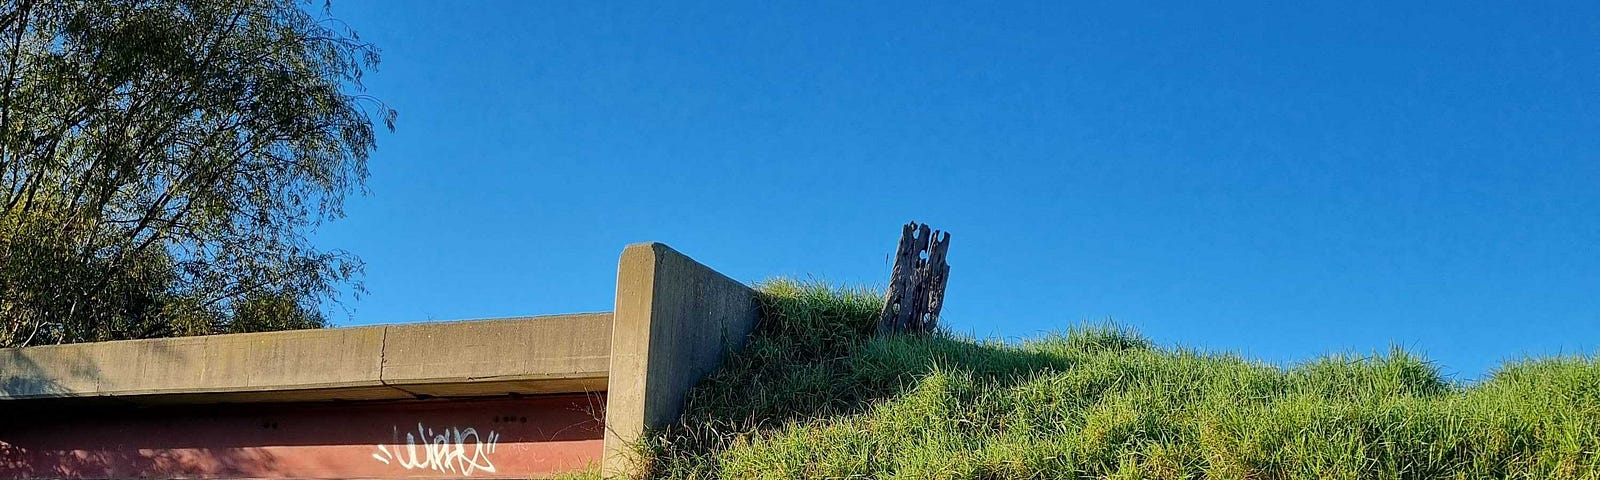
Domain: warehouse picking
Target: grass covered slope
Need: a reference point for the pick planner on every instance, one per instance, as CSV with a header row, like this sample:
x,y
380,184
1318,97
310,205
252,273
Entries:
x,y
814,395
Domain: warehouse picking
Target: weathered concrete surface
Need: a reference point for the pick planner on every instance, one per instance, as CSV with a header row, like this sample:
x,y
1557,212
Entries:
x,y
549,354
674,321
348,360
553,354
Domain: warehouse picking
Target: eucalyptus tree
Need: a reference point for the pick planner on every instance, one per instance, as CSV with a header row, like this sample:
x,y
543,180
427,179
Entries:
x,y
162,163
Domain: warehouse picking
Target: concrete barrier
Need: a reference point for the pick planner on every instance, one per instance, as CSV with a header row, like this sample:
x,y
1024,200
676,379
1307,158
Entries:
x,y
533,355
675,320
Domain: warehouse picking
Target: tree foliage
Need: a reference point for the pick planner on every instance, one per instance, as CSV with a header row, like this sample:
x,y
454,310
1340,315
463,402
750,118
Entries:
x,y
163,161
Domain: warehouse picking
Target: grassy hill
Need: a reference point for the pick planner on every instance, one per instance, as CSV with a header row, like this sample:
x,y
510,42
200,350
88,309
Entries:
x,y
814,395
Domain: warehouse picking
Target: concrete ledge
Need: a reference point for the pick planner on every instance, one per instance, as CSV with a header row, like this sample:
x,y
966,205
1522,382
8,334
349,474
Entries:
x,y
675,320
549,354
553,354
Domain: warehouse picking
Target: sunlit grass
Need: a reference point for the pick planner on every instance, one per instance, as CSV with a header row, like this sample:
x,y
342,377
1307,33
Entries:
x,y
814,395
590,473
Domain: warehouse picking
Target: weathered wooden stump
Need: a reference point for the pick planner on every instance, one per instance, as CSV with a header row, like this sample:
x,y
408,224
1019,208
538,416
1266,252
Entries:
x,y
916,285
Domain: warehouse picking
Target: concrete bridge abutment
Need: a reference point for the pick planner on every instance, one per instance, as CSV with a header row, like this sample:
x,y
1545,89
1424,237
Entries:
x,y
503,398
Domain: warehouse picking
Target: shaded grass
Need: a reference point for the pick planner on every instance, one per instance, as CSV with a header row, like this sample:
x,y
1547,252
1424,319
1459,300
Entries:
x,y
814,395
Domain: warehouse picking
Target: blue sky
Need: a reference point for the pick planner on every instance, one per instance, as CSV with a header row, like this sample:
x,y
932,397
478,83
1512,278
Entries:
x,y
1282,181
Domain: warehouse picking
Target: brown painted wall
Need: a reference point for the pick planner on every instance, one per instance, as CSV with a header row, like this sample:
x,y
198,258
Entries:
x,y
499,438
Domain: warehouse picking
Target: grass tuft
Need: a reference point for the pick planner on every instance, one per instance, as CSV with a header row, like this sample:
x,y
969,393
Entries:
x,y
815,395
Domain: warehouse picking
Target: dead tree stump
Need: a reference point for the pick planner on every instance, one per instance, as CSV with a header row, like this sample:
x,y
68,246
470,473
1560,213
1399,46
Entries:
x,y
916,285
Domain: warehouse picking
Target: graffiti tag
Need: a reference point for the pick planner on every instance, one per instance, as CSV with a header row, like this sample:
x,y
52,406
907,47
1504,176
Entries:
x,y
448,450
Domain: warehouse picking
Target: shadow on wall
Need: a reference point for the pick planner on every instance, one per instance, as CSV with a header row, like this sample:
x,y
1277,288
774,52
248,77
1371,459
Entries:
x,y
23,377
498,437
55,371
42,383
17,462
152,409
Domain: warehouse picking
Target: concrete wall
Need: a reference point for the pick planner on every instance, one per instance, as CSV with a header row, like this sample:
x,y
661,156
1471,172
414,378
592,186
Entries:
x,y
528,437
675,320
549,354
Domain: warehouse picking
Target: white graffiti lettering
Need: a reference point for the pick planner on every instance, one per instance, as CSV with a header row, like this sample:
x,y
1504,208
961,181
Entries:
x,y
449,450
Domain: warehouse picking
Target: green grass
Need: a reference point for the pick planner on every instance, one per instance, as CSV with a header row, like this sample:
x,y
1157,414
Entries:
x,y
591,473
814,395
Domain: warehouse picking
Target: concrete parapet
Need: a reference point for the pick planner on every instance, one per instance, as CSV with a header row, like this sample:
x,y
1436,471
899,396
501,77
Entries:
x,y
675,320
549,354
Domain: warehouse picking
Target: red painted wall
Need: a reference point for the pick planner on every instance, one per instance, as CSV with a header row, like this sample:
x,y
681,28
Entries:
x,y
500,438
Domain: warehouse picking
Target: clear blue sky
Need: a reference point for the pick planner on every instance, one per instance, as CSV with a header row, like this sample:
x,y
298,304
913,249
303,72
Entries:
x,y
1279,181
